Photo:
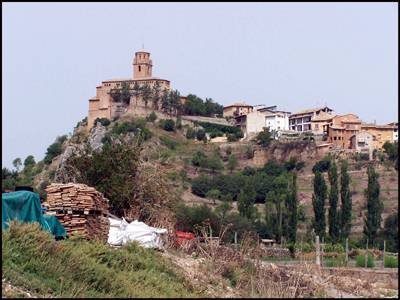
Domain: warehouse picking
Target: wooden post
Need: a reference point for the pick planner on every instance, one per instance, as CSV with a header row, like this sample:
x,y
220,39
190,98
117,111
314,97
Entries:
x,y
318,261
347,251
235,240
366,255
384,250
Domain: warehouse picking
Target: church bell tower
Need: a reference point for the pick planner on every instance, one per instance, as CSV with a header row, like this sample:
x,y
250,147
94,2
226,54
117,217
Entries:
x,y
142,65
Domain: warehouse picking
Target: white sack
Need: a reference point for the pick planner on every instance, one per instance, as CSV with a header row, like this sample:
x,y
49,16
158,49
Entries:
x,y
122,232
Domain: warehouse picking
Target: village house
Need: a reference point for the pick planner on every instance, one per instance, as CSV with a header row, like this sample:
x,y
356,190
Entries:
x,y
380,133
342,130
302,120
237,109
264,117
395,131
103,106
362,142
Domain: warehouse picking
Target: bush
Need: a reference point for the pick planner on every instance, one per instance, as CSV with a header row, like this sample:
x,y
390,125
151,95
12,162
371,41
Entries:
x,y
198,158
232,138
135,126
188,218
305,247
214,134
391,262
291,163
322,165
54,149
273,168
300,165
200,134
170,143
360,261
103,121
190,133
151,117
168,125
201,185
264,138
248,171
334,248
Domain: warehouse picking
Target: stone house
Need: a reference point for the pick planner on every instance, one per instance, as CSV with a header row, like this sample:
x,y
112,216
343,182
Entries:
x,y
343,128
302,120
237,109
380,133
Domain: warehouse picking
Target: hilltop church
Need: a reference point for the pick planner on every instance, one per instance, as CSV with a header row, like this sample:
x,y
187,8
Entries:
x,y
103,106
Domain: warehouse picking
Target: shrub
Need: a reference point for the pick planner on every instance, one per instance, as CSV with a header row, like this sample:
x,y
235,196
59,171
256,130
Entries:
x,y
136,126
264,138
391,262
232,138
305,247
248,171
360,261
179,122
334,248
190,133
322,165
168,125
103,121
151,117
300,165
291,163
214,134
198,158
54,149
200,134
228,150
188,218
273,168
170,143
201,185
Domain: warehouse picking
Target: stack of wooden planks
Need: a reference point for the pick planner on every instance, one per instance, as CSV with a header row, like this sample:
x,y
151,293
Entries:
x,y
80,208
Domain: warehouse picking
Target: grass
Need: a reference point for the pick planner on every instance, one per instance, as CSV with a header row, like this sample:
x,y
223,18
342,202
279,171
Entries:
x,y
78,268
391,262
331,262
360,261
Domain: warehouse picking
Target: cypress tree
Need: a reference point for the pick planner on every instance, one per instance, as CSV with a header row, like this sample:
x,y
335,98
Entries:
x,y
292,228
346,202
246,199
333,200
318,200
374,206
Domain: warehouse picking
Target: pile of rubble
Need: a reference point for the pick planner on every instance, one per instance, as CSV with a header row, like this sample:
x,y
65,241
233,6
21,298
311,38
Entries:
x,y
80,209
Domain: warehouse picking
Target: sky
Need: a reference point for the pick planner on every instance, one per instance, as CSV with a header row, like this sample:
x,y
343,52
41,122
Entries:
x,y
295,56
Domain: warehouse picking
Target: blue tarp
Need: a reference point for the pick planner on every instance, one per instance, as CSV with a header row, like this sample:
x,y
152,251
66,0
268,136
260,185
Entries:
x,y
25,207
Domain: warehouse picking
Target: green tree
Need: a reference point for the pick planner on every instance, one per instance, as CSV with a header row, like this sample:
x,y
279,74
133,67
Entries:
x,y
246,199
346,202
17,163
292,209
264,138
318,201
215,163
232,162
374,206
152,117
146,94
165,103
333,200
213,194
136,91
125,93
114,171
156,95
29,161
190,133
391,232
200,134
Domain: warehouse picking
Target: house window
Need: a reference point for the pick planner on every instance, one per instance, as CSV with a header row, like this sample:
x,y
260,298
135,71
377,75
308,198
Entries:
x,y
139,69
316,126
334,138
